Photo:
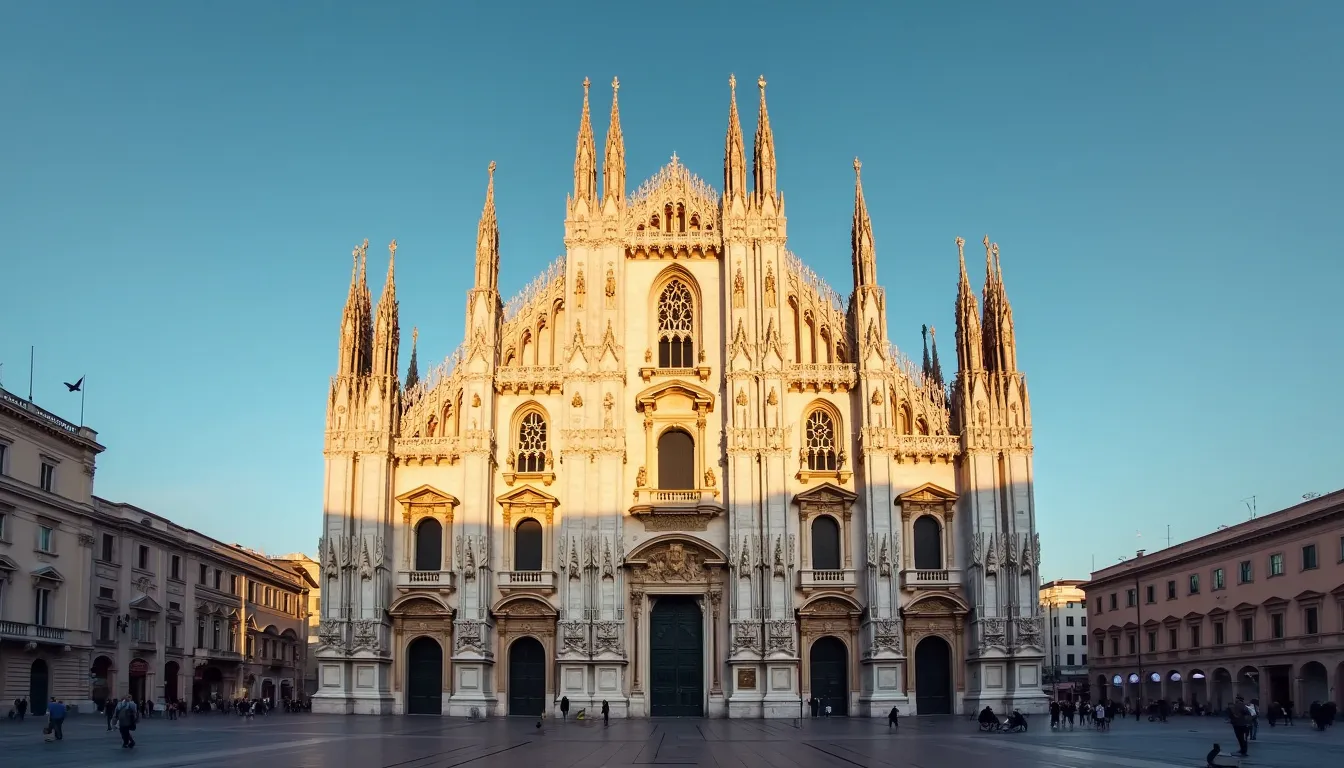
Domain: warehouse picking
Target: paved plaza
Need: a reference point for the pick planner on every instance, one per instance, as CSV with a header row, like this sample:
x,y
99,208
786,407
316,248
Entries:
x,y
325,741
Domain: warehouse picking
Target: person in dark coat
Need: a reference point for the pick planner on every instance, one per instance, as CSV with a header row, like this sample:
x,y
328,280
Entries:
x,y
892,718
606,713
564,707
127,715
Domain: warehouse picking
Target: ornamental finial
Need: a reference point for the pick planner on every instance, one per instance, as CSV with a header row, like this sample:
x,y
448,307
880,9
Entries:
x,y
615,84
857,165
732,83
760,81
392,248
586,83
415,335
491,169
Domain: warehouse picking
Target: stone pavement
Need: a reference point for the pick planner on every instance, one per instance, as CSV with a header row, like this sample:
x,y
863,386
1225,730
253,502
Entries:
x,y
329,741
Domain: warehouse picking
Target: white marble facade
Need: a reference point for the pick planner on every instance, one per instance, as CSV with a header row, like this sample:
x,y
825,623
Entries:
x,y
680,474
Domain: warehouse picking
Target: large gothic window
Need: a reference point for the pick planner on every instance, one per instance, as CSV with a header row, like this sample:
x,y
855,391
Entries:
x,y
676,460
429,545
825,543
928,544
527,546
676,326
819,442
531,455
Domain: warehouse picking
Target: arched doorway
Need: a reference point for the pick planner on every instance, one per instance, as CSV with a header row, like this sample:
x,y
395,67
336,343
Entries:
x,y
1315,684
39,687
424,677
676,658
1248,683
170,673
138,672
268,690
286,690
527,677
208,684
100,688
933,676
1220,696
829,662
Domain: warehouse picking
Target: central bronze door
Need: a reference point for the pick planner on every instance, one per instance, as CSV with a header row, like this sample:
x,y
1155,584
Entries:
x,y
676,658
828,660
527,677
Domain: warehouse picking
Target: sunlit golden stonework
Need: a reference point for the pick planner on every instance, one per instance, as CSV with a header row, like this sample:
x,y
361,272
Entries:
x,y
679,474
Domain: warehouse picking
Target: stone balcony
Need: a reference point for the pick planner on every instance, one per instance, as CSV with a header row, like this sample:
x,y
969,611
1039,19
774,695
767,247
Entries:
x,y
810,579
919,578
440,581
15,630
531,581
666,510
820,377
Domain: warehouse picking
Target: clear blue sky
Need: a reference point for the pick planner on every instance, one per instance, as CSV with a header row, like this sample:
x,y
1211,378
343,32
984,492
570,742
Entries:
x,y
181,186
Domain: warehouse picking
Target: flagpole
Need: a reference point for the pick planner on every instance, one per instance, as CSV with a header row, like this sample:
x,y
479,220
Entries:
x,y
82,390
32,356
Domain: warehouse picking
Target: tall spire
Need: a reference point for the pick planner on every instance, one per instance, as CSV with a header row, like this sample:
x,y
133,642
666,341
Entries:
x,y
613,165
935,367
969,343
927,367
487,240
351,328
734,155
585,157
413,369
764,155
387,328
1007,339
861,236
364,358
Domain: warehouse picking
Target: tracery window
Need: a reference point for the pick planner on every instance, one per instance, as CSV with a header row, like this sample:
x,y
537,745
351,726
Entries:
x,y
531,456
676,326
819,442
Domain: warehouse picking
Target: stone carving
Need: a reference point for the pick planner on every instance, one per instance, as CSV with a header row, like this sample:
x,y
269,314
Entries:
x,y
1008,552
365,562
779,557
744,567
977,545
671,521
709,478
475,402
790,559
366,635
580,289
574,637
877,397
641,478
469,563
780,637
991,556
86,539
884,560
746,637
468,636
573,559
742,397
1026,553
329,632
872,550
993,632
769,286
739,288
887,635
1028,631
1036,549
674,563
608,637
608,571
610,288
772,398
577,402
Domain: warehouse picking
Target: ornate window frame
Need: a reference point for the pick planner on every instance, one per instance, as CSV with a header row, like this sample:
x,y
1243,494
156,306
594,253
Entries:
x,y
940,503
547,475
692,507
839,474
699,369
528,502
426,501
826,500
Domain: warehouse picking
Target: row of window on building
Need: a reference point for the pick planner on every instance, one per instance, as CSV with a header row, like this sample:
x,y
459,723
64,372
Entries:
x,y
46,473
1310,625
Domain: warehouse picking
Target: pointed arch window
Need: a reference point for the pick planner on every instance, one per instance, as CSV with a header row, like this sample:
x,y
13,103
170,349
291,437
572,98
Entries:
x,y
819,453
532,444
676,326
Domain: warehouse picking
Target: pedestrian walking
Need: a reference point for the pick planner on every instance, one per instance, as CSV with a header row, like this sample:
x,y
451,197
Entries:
x,y
564,707
893,718
56,718
127,715
1255,718
1054,714
606,713
110,711
1240,716
21,706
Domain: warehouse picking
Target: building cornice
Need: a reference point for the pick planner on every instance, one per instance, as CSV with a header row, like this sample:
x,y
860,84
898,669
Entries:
x,y
35,415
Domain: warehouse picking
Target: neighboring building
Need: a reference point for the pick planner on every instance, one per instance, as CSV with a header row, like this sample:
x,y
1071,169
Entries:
x,y
46,488
1064,607
681,474
1255,609
178,615
310,570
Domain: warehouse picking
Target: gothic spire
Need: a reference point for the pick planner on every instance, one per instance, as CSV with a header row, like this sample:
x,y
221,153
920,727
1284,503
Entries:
x,y
387,328
861,236
413,369
487,240
347,359
764,156
935,367
969,341
1003,323
927,368
734,156
613,166
585,157
364,358
989,321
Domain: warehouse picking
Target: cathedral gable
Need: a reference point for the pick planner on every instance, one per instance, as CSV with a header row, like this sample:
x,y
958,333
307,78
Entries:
x,y
674,213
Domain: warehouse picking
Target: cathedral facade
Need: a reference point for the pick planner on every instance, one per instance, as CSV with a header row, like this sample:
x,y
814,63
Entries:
x,y
679,474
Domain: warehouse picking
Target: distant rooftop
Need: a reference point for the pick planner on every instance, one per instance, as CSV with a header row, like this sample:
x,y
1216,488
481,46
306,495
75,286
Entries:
x,y
36,412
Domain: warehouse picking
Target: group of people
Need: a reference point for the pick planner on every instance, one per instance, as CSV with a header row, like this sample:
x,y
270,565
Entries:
x,y
990,721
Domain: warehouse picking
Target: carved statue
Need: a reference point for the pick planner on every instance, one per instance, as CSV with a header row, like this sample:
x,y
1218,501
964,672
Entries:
x,y
641,478
883,560
607,569
769,286
779,557
739,288
469,565
709,478
611,287
580,289
674,564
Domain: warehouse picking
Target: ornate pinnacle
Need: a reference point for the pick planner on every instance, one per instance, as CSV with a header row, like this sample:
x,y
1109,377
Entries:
x,y
857,166
586,83
615,84
732,84
415,335
392,248
491,169
961,244
760,81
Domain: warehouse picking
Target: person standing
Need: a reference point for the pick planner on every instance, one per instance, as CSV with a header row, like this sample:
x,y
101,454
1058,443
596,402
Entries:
x,y
893,718
127,715
21,706
1240,716
1255,718
606,713
1054,714
564,707
110,711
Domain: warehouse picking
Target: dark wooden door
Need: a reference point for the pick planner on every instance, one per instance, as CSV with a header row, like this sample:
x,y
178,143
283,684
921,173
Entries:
x,y
527,677
39,685
829,661
676,658
424,677
933,677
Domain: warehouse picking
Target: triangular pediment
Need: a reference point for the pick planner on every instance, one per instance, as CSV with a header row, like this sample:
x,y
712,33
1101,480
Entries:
x,y
8,565
48,573
1151,623
1171,620
1193,616
527,495
146,603
826,493
1217,612
427,495
672,186
1245,607
1275,602
1308,595
928,493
